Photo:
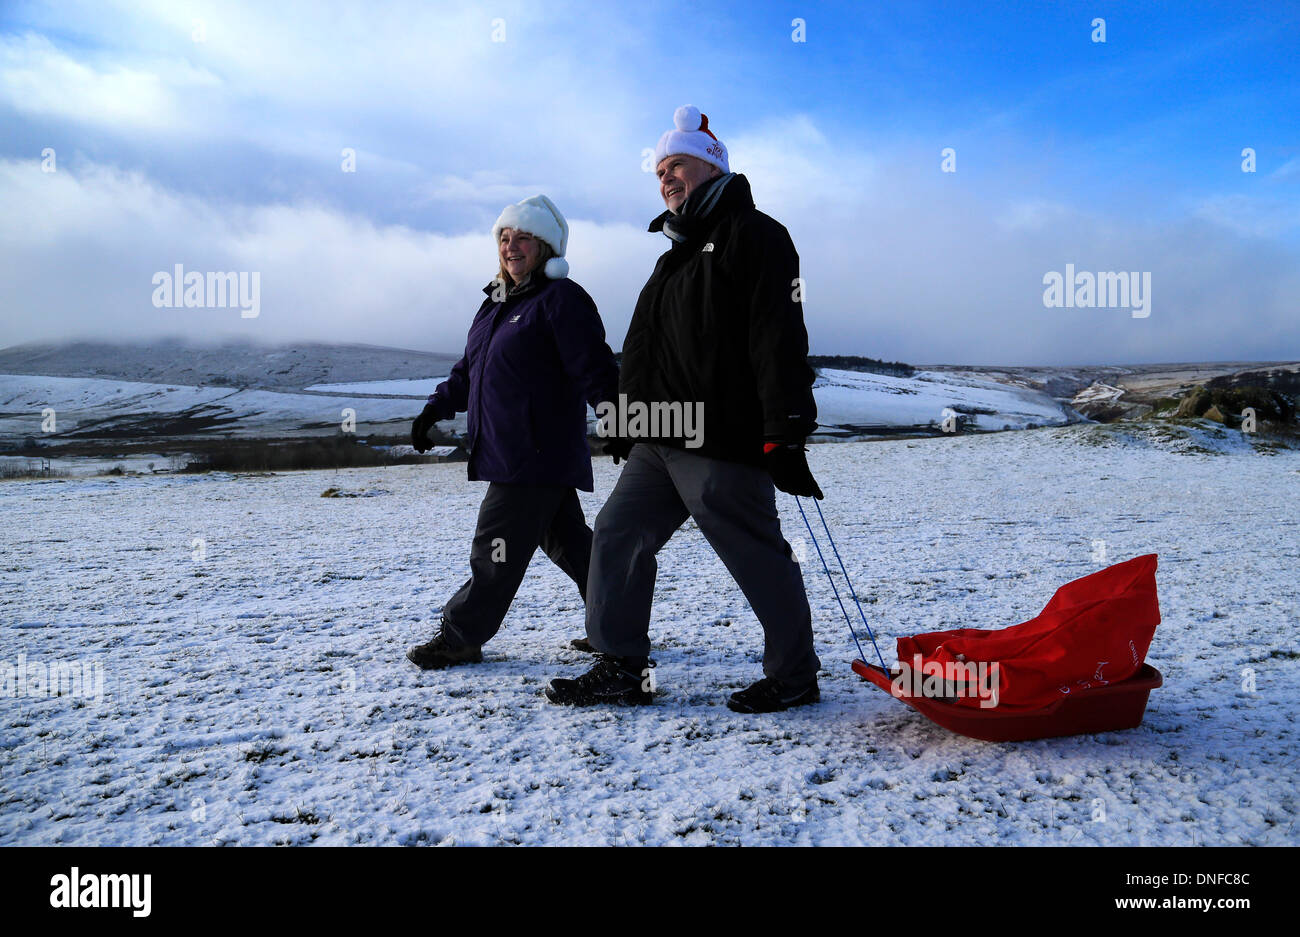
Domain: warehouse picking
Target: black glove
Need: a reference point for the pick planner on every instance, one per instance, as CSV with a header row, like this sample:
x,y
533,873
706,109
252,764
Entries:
x,y
420,428
618,448
788,466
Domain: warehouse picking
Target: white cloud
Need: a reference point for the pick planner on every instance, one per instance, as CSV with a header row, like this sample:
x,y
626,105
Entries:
x,y
79,252
37,78
410,84
923,276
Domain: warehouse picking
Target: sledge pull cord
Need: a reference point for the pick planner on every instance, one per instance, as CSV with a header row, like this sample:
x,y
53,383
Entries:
x,y
831,540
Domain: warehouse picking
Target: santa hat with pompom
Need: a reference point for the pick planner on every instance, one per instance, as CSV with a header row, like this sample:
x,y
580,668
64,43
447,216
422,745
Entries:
x,y
692,136
539,217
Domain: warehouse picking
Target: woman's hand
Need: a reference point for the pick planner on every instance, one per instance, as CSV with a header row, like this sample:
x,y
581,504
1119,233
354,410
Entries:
x,y
421,426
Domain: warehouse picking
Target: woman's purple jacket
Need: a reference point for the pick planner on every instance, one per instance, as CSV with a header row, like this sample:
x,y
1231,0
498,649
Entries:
x,y
532,363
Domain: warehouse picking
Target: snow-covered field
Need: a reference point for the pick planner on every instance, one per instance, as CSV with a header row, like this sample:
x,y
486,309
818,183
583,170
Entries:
x,y
251,636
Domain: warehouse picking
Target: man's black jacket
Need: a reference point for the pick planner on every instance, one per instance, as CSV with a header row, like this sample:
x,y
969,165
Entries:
x,y
720,323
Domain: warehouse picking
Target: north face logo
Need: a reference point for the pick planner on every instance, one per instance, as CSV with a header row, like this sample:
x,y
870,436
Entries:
x,y
707,248
515,318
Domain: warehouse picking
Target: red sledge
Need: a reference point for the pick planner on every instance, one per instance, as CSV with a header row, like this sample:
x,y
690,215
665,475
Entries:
x,y
1077,667
1107,708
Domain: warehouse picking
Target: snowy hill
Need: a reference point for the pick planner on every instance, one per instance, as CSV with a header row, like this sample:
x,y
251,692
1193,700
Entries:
x,y
95,409
170,392
853,403
850,403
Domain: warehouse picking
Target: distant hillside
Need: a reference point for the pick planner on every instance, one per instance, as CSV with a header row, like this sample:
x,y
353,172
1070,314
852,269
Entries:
x,y
859,363
1142,382
99,414
112,397
232,364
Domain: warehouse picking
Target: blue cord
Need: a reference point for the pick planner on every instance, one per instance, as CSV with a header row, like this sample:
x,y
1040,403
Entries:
x,y
798,502
831,540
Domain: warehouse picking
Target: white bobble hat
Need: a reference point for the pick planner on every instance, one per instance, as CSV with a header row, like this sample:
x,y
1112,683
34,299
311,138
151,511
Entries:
x,y
539,217
692,137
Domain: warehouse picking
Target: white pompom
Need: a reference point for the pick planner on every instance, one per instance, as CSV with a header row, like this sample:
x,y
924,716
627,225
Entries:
x,y
687,117
557,268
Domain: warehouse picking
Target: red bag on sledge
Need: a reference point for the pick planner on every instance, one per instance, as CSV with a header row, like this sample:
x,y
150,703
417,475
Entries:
x,y
1095,631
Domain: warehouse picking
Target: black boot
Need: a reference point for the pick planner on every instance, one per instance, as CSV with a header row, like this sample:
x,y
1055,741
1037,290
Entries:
x,y
620,681
440,653
772,696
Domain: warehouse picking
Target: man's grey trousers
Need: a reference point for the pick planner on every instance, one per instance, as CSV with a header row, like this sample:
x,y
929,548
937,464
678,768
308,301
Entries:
x,y
734,506
513,521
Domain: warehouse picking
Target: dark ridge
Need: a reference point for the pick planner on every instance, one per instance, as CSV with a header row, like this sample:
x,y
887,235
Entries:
x,y
859,363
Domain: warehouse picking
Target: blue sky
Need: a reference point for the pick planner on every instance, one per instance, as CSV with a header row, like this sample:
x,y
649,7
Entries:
x,y
224,154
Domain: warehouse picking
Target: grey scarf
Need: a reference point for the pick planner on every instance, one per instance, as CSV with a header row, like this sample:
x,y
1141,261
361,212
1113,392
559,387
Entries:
x,y
688,223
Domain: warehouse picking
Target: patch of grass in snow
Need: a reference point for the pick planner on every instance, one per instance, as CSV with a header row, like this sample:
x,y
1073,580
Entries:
x,y
26,472
182,776
298,817
260,753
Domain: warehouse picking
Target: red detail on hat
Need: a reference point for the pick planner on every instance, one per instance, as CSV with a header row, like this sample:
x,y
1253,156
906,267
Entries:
x,y
704,125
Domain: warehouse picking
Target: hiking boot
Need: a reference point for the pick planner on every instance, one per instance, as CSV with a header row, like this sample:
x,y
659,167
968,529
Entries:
x,y
770,695
440,653
620,681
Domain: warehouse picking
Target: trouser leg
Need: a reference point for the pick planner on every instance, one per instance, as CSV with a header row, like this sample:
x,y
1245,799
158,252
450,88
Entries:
x,y
735,508
511,521
641,514
567,541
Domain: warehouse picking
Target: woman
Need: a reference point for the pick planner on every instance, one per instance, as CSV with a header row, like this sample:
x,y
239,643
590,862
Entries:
x,y
535,356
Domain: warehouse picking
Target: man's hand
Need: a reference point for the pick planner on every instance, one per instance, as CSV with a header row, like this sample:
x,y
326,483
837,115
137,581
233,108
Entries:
x,y
618,448
420,428
788,466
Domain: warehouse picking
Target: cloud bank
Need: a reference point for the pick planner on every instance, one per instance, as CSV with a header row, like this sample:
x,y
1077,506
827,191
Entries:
x,y
227,154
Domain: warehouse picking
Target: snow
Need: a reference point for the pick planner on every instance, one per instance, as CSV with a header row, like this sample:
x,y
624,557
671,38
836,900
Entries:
x,y
82,402
420,388
1097,393
847,399
148,462
251,635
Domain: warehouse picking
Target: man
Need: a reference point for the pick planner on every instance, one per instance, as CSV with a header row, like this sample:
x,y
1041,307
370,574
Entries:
x,y
718,326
